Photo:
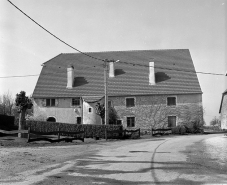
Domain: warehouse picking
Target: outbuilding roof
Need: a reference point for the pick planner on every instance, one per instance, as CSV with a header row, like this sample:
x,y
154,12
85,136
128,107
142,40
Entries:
x,y
174,73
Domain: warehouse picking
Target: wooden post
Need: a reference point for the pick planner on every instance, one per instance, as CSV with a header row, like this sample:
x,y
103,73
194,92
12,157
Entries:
x,y
106,133
29,129
58,132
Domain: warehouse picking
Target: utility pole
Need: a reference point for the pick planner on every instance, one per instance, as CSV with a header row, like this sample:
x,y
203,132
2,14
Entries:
x,y
106,65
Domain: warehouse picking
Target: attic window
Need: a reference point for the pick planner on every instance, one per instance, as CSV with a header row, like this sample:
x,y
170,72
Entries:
x,y
171,101
75,101
90,110
50,102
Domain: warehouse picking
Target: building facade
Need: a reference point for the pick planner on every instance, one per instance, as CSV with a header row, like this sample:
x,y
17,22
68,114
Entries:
x,y
147,89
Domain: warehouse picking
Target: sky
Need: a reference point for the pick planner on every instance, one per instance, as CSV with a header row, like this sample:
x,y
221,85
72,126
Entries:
x,y
114,25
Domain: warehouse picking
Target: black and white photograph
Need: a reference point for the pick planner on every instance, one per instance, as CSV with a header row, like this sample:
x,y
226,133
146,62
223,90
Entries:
x,y
113,92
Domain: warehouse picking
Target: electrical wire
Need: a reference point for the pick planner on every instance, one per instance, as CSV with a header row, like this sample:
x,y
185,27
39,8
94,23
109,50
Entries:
x,y
133,64
53,34
128,63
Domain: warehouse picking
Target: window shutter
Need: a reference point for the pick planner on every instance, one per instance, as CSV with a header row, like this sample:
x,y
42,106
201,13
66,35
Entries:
x,y
44,102
56,102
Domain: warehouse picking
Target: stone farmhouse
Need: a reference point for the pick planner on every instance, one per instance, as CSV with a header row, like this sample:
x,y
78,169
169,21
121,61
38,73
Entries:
x,y
146,88
223,110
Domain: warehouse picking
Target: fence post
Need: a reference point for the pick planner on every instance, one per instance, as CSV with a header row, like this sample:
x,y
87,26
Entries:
x,y
29,128
106,133
58,132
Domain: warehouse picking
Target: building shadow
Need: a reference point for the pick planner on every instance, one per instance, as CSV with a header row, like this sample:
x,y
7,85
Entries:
x,y
161,76
79,81
119,72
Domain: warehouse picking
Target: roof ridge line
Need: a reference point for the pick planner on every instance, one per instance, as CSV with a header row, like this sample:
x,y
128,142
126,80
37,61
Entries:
x,y
125,51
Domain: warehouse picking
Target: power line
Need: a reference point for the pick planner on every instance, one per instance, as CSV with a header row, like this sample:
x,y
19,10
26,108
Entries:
x,y
53,34
95,57
133,64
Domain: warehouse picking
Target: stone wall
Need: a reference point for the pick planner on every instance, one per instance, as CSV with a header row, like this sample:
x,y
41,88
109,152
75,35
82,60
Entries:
x,y
152,111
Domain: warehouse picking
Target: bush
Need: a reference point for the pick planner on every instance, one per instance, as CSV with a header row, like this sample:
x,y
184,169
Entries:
x,y
180,129
91,131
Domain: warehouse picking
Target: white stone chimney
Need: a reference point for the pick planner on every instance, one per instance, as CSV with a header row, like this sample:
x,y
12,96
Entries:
x,y
111,69
151,73
70,76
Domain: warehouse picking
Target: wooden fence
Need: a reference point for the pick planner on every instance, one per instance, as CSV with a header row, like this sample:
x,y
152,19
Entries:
x,y
121,134
13,131
161,131
44,136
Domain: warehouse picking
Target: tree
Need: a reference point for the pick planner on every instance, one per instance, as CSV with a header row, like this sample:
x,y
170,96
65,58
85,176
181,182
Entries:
x,y
6,104
23,103
215,122
100,110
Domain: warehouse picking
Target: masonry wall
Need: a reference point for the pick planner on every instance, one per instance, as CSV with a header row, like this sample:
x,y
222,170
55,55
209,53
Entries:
x,y
187,108
224,113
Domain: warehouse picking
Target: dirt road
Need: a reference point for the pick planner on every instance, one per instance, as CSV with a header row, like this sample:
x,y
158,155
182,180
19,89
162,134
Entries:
x,y
169,160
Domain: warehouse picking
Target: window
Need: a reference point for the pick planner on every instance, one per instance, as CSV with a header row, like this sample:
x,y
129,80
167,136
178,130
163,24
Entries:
x,y
130,102
75,101
50,102
171,101
90,110
78,120
172,121
130,121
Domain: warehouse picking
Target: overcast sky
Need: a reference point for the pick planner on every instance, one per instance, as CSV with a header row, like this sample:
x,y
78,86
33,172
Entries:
x,y
113,25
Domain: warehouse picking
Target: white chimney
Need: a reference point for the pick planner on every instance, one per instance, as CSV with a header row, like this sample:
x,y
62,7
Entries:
x,y
111,69
151,73
70,76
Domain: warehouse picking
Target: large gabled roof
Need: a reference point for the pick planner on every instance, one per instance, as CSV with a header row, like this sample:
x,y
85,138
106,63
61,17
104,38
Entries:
x,y
170,67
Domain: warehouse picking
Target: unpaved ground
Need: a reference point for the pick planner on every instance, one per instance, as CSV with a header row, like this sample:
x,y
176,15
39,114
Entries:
x,y
164,160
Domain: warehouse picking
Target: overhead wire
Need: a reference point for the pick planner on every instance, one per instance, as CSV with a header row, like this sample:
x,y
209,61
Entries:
x,y
128,63
54,35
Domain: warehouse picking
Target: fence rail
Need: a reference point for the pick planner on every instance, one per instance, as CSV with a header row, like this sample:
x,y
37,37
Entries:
x,y
13,131
122,133
161,131
58,133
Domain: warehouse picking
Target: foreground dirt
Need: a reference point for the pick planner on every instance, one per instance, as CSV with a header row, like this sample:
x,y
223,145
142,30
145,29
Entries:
x,y
164,160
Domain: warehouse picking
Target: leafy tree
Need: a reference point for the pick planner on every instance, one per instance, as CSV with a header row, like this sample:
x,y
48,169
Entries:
x,y
100,110
215,122
23,103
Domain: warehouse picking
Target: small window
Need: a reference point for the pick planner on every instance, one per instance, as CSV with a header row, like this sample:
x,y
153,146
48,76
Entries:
x,y
172,121
171,101
78,120
130,102
130,121
90,110
75,101
50,102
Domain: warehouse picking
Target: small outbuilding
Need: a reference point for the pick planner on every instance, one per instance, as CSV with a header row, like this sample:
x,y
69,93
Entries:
x,y
223,110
